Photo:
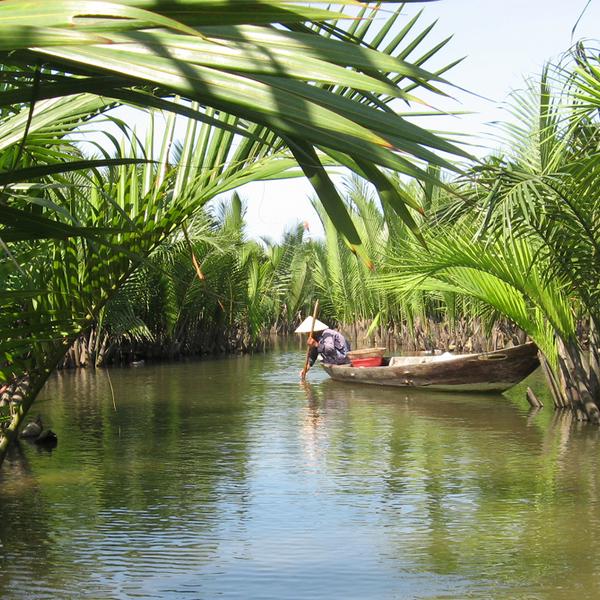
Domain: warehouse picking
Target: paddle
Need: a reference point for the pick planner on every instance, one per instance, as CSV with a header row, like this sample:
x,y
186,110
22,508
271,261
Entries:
x,y
312,329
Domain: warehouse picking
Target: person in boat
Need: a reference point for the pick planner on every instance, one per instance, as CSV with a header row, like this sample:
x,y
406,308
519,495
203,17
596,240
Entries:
x,y
329,343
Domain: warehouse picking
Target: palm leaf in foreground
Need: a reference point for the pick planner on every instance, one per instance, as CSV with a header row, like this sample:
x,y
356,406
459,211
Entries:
x,y
505,275
233,64
60,284
230,58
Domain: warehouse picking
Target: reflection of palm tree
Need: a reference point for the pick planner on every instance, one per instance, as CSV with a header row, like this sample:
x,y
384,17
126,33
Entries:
x,y
23,508
458,472
313,402
312,425
116,457
17,462
558,436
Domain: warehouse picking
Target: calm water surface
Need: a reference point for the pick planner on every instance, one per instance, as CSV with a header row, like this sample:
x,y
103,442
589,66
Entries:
x,y
227,478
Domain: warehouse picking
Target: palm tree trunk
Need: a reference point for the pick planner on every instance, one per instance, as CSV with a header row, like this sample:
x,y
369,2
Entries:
x,y
577,381
102,350
594,359
553,384
90,345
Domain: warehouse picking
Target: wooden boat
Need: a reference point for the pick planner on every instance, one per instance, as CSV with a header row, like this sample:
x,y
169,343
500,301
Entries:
x,y
485,372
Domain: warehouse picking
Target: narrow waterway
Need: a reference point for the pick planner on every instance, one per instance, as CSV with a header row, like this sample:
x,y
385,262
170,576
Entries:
x,y
227,478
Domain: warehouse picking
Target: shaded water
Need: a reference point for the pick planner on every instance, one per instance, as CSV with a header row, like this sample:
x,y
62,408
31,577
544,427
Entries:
x,y
227,478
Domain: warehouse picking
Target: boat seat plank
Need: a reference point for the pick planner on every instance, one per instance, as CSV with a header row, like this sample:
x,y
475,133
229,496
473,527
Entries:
x,y
402,361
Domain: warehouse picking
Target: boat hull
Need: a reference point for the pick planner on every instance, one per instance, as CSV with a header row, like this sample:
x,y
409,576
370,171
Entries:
x,y
487,372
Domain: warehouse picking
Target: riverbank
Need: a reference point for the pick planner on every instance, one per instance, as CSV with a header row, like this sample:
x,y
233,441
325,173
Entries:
x,y
422,335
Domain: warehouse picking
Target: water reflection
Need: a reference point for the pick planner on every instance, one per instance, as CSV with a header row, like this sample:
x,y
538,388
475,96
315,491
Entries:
x,y
231,478
468,485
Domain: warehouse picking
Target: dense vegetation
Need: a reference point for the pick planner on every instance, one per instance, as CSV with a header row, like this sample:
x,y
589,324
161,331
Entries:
x,y
522,237
113,255
271,89
505,252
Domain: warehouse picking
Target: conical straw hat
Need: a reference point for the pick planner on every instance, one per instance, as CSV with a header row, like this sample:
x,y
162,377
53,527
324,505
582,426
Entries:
x,y
304,327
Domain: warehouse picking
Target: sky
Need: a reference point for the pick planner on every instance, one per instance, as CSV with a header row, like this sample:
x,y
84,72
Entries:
x,y
504,42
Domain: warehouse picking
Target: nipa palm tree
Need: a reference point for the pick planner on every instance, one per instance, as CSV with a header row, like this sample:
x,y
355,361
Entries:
x,y
274,75
526,242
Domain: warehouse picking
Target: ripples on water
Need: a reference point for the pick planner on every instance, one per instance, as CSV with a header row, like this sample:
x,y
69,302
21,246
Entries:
x,y
227,478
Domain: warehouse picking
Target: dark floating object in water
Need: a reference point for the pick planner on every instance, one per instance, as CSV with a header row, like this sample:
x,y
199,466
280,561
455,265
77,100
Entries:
x,y
35,432
33,429
47,438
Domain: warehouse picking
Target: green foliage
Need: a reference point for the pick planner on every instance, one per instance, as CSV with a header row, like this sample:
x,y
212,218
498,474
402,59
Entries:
x,y
247,288
505,275
317,80
521,237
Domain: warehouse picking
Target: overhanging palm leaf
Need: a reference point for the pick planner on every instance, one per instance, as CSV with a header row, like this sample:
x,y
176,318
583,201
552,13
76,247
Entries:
x,y
227,57
59,286
547,188
506,275
233,64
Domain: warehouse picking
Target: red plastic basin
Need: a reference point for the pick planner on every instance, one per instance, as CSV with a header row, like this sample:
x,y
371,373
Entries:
x,y
374,361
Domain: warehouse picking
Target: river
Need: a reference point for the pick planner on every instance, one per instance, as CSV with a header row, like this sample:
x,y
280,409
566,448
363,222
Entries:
x,y
228,479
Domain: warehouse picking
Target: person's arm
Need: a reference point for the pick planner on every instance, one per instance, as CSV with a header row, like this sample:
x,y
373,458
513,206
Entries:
x,y
312,356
